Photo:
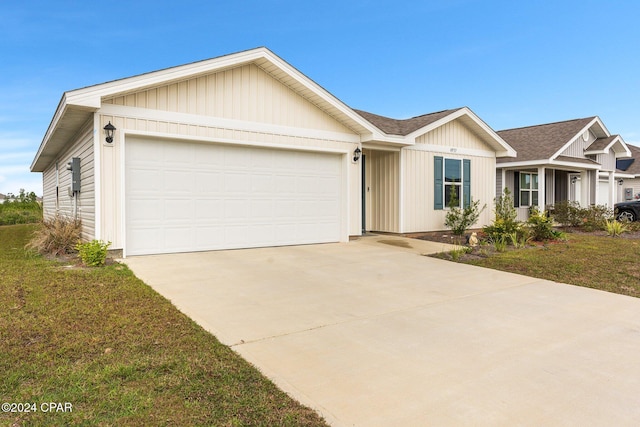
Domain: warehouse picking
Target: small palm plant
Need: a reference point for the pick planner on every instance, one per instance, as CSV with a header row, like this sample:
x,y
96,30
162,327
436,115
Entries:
x,y
614,228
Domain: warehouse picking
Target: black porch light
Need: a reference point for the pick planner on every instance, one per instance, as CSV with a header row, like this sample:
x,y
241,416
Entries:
x,y
108,130
356,154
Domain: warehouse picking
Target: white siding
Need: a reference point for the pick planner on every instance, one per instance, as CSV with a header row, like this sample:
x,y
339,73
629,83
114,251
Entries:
x,y
453,134
82,147
419,212
245,95
382,191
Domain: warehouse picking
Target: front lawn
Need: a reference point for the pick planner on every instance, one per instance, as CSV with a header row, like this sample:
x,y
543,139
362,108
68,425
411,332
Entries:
x,y
105,345
585,259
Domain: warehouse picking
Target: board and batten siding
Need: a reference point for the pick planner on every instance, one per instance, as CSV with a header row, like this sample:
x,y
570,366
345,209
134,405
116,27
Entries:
x,y
578,145
277,116
453,134
243,93
82,147
418,185
382,191
418,182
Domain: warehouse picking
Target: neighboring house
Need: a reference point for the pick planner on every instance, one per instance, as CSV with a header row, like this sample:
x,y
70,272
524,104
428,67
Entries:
x,y
573,160
2,198
628,171
245,151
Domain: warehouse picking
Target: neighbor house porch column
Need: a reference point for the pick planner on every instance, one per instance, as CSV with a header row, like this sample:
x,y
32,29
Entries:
x,y
585,185
611,197
541,189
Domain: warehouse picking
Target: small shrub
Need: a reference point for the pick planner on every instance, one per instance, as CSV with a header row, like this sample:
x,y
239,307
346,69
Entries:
x,y
614,228
56,236
459,220
93,253
568,213
456,254
505,222
595,217
540,226
500,243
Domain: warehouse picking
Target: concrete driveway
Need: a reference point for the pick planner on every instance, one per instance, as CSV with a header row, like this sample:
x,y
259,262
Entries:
x,y
372,333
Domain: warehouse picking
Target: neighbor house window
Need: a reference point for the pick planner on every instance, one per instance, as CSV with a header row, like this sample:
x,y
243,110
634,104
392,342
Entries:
x,y
528,189
451,175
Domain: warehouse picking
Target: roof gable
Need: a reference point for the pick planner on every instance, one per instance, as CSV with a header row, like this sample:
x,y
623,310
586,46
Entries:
x,y
77,106
411,129
543,142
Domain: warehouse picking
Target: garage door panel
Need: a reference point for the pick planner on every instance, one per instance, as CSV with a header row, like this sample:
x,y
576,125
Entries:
x,y
183,196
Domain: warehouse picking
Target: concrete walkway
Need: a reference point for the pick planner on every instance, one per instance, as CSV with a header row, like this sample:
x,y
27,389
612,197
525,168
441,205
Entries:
x,y
371,333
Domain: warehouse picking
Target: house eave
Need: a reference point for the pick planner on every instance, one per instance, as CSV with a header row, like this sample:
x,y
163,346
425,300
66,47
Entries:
x,y
66,122
551,163
79,104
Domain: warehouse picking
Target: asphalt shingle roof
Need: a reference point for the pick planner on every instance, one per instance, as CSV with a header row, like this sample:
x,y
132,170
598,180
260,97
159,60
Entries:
x,y
404,127
540,142
601,143
634,167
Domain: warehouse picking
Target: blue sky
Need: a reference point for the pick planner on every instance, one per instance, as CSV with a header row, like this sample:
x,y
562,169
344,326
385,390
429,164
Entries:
x,y
513,63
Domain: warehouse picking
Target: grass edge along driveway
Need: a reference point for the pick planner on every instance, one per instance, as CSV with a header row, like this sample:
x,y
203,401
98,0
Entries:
x,y
610,264
101,342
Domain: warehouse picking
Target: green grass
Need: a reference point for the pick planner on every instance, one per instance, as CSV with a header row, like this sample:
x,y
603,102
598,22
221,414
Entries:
x,y
118,352
600,262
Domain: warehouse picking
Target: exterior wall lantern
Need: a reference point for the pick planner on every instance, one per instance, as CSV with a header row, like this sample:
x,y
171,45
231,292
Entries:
x,y
356,154
574,179
620,181
109,129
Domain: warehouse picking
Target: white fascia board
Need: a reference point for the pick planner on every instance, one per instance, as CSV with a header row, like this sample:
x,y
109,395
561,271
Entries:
x,y
507,151
318,90
60,110
544,163
395,140
624,175
92,95
623,151
575,165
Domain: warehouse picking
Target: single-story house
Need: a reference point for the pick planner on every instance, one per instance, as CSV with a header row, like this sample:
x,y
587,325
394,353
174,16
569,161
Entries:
x,y
245,151
628,171
573,160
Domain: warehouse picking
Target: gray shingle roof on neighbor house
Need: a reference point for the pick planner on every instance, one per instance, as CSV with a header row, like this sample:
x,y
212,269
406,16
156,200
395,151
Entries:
x,y
601,143
540,142
404,127
634,163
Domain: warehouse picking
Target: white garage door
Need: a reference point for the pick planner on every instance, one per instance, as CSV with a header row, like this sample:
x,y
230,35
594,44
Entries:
x,y
185,196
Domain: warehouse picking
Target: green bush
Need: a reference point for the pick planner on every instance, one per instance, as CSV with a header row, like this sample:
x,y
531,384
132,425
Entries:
x,y
505,223
459,220
20,209
595,217
568,213
93,253
540,226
